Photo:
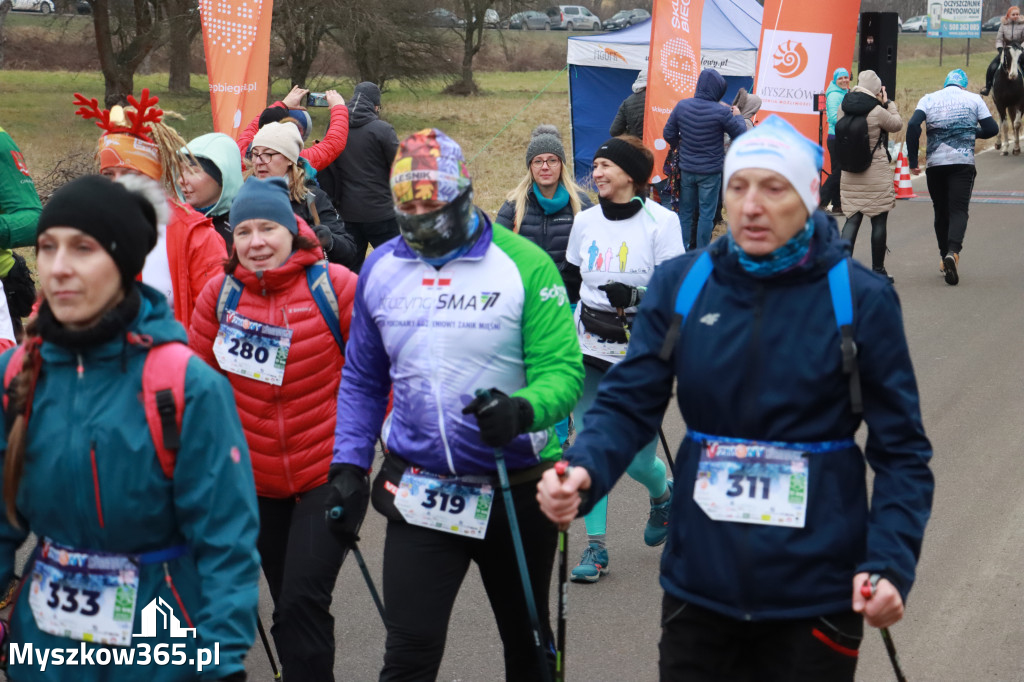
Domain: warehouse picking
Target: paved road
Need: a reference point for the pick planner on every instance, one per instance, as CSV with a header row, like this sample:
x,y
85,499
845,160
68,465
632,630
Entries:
x,y
965,619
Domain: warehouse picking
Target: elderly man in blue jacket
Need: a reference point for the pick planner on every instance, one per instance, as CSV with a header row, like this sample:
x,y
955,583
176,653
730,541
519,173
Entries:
x,y
696,126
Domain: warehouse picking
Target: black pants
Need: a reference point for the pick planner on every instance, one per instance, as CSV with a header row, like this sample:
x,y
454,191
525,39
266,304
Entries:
x,y
423,570
993,67
878,235
698,645
374,234
830,188
950,188
301,560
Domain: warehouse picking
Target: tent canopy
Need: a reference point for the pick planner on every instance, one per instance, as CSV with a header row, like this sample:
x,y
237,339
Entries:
x,y
602,68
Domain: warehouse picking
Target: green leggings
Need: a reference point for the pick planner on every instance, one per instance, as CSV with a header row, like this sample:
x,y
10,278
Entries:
x,y
645,468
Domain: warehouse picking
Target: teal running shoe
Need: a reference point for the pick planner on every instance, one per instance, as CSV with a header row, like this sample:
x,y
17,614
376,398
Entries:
x,y
593,564
656,531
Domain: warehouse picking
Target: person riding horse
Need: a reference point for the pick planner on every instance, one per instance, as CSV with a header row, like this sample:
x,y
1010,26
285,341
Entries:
x,y
1011,30
1008,96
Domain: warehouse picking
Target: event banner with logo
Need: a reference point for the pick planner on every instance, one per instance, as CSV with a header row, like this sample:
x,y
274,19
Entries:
x,y
236,38
673,67
954,18
802,43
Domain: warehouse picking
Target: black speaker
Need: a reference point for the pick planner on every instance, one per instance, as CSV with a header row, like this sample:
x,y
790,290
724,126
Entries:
x,y
879,36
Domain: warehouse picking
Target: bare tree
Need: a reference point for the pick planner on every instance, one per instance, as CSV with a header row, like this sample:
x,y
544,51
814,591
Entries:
x,y
183,27
300,25
472,36
127,31
5,7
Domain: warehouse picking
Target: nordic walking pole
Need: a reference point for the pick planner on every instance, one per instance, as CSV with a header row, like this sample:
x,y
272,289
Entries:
x,y
625,323
517,543
867,590
336,513
562,469
668,452
266,646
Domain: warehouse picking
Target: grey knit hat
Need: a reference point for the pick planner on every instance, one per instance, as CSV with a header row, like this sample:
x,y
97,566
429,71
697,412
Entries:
x,y
545,140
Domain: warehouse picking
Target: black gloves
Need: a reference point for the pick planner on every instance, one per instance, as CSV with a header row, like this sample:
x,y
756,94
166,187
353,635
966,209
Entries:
x,y
621,295
500,417
346,501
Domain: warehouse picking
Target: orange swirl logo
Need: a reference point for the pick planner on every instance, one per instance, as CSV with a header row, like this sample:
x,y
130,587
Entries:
x,y
790,59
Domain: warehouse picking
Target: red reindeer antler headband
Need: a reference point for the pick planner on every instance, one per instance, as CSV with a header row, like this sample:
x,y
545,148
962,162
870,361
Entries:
x,y
145,113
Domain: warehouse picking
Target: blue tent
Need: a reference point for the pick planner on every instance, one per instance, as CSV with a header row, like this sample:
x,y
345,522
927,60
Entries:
x,y
602,68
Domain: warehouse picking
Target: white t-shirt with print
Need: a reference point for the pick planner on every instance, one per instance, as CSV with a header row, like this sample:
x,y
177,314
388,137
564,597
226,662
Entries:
x,y
623,251
951,119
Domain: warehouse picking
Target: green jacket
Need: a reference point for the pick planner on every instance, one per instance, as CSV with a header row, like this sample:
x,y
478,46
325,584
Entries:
x,y
19,202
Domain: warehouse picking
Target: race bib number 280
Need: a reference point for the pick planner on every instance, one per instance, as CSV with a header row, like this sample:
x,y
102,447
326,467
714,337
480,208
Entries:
x,y
252,349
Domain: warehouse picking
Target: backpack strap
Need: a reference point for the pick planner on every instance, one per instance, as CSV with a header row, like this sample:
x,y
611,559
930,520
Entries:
x,y
318,278
230,292
163,395
689,290
841,289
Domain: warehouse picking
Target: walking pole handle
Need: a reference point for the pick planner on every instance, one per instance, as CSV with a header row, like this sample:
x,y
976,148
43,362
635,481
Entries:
x,y
562,468
336,513
867,590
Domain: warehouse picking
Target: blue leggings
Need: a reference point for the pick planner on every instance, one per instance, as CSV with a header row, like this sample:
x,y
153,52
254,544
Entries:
x,y
646,468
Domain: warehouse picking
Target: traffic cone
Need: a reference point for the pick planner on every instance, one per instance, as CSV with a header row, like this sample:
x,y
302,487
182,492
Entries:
x,y
901,180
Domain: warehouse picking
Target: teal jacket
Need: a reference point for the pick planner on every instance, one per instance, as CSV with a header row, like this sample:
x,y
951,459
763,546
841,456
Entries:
x,y
90,452
19,202
833,98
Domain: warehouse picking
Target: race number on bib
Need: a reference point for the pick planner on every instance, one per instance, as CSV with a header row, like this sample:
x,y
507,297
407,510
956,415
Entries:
x,y
87,596
752,483
454,505
252,349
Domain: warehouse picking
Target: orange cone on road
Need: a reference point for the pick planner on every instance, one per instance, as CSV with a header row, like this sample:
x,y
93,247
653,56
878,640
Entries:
x,y
901,178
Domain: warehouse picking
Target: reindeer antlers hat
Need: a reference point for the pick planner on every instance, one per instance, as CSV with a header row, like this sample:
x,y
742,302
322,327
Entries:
x,y
136,137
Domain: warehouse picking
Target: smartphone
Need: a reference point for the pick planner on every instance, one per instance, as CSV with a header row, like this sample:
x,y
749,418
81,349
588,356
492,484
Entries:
x,y
316,99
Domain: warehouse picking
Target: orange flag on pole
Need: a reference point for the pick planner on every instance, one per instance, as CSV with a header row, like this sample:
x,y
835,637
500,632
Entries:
x,y
672,68
802,43
236,39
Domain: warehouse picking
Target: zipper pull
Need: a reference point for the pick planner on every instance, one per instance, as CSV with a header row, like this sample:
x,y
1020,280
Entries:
x,y
81,365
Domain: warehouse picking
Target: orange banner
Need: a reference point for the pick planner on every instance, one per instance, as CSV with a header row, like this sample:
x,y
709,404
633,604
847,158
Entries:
x,y
673,66
236,38
802,43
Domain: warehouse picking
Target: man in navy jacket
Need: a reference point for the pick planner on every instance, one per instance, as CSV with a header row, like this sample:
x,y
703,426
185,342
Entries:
x,y
696,126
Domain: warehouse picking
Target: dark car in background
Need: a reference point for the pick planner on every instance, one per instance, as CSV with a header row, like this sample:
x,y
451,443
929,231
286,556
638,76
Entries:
x,y
530,20
442,18
624,18
993,23
572,18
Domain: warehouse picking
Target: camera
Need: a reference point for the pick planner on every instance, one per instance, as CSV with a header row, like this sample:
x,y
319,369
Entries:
x,y
316,99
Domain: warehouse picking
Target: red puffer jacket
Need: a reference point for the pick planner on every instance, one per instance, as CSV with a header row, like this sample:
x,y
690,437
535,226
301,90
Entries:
x,y
290,428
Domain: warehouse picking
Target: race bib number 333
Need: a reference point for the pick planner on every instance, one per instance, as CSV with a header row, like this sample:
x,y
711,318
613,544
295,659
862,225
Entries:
x,y
252,349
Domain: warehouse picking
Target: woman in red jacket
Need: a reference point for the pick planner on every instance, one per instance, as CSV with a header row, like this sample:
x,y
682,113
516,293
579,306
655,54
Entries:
x,y
267,325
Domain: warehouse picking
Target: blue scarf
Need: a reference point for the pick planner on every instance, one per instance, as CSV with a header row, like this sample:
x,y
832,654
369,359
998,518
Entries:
x,y
555,203
779,260
461,251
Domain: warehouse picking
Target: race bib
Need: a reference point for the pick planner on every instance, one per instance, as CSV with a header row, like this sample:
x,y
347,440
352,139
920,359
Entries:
x,y
252,349
595,344
752,483
454,505
86,596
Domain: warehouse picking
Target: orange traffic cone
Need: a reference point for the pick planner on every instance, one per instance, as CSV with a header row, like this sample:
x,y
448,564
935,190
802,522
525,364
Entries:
x,y
901,179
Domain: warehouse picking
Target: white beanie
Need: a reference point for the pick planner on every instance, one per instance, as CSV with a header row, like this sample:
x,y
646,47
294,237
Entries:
x,y
641,80
281,137
776,145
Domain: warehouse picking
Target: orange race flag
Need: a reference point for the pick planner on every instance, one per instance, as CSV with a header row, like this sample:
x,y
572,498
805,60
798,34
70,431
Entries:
x,y
802,43
236,38
672,68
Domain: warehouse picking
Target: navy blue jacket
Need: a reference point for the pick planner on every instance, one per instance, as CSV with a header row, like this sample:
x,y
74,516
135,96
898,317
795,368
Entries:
x,y
697,124
759,359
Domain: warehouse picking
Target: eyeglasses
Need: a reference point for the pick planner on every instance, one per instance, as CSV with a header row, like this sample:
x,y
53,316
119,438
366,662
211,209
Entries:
x,y
265,157
550,163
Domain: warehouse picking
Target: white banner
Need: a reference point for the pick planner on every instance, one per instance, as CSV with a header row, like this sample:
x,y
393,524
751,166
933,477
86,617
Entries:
x,y
793,68
625,56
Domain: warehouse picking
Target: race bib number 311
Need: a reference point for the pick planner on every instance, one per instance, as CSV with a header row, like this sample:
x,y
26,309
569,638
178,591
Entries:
x,y
748,483
252,349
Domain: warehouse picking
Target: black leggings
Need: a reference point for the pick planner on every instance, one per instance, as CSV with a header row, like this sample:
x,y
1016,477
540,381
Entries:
x,y
878,235
424,568
301,560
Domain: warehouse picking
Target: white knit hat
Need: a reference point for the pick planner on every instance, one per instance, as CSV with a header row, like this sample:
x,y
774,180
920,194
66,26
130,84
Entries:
x,y
281,137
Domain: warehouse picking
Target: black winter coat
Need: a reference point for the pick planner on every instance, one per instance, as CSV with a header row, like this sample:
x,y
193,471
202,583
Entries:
x,y
549,232
339,245
630,117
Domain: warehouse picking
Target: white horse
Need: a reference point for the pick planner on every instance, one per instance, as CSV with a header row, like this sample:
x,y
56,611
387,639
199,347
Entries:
x,y
1008,96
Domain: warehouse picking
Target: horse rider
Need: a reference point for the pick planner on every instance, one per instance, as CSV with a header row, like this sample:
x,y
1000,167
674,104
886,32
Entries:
x,y
1011,30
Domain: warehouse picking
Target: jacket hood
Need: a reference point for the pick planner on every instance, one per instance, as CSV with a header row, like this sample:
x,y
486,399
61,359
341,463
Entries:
x,y
363,109
284,275
859,103
711,85
832,87
750,105
223,151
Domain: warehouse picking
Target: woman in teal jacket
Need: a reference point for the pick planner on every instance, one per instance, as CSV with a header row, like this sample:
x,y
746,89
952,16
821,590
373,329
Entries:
x,y
834,95
120,542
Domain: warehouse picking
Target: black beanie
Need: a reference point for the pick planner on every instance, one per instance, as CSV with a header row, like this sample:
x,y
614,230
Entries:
x,y
272,115
211,169
123,222
627,157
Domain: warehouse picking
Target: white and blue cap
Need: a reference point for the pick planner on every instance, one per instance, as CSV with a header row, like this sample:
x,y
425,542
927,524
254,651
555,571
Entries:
x,y
956,77
776,145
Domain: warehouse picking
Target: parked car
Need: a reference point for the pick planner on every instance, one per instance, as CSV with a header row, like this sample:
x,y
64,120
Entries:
x,y
491,18
44,6
993,23
918,24
572,18
624,18
529,20
83,7
443,18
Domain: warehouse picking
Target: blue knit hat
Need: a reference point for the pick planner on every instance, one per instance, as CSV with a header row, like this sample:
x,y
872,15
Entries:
x,y
264,200
839,73
956,77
